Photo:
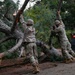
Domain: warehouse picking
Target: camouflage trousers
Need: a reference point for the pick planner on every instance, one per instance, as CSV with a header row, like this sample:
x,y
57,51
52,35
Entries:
x,y
66,49
31,52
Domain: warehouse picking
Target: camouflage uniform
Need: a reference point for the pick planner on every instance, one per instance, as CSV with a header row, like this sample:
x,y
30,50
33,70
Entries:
x,y
30,42
67,52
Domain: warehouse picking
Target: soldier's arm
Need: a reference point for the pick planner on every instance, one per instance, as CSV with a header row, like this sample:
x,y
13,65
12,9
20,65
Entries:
x,y
59,18
58,29
54,29
34,31
23,22
53,34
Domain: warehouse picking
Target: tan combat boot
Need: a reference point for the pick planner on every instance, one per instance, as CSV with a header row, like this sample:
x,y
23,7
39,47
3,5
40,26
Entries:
x,y
36,69
68,60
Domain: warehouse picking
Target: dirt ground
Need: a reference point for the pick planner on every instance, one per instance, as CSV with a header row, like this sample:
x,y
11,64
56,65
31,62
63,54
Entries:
x,y
47,68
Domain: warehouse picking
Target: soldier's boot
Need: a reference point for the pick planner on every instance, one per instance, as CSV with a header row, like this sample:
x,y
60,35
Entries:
x,y
67,57
68,61
35,65
72,53
73,59
36,69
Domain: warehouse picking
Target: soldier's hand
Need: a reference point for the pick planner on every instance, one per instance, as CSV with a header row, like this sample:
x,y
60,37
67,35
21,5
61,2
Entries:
x,y
58,12
21,16
14,14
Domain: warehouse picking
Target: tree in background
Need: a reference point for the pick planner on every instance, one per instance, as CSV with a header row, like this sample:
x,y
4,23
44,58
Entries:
x,y
68,13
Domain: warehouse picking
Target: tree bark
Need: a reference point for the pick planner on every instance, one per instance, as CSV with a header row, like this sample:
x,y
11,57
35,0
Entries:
x,y
4,28
49,51
17,35
18,15
13,48
59,5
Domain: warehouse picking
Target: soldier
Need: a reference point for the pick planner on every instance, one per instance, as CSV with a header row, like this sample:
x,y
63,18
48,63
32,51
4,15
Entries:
x,y
30,43
59,28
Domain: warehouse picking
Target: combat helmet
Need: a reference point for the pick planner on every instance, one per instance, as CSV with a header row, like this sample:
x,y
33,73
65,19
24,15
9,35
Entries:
x,y
57,22
30,22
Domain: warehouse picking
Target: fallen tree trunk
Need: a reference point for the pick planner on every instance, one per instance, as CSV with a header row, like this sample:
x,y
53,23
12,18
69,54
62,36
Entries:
x,y
17,35
50,52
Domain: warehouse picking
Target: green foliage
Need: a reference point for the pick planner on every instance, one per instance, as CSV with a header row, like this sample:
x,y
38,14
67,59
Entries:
x,y
6,46
69,17
6,8
51,4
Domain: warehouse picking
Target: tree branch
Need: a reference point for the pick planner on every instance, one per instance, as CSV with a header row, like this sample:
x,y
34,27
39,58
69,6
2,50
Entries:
x,y
4,28
59,5
18,15
7,30
6,38
12,49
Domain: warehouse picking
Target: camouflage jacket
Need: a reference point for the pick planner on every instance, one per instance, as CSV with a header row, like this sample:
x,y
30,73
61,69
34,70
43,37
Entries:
x,y
61,33
29,32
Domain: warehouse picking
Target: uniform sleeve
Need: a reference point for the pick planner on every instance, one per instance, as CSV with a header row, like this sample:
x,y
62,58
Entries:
x,y
23,22
62,23
58,29
34,31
